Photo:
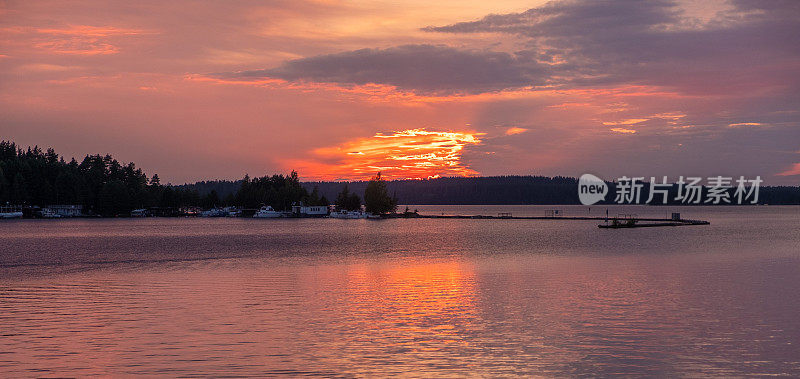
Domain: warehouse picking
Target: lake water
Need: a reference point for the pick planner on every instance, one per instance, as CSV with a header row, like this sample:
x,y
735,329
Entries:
x,y
417,297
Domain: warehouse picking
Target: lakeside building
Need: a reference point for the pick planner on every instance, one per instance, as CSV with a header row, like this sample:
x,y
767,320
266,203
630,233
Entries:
x,y
300,210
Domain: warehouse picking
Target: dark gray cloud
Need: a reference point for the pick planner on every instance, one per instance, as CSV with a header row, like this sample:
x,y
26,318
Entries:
x,y
419,68
654,42
584,43
574,19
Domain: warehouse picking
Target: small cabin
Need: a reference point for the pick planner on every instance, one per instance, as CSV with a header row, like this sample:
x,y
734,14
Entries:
x,y
300,210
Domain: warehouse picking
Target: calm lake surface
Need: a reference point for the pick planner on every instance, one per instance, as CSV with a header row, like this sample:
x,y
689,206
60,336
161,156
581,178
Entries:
x,y
417,297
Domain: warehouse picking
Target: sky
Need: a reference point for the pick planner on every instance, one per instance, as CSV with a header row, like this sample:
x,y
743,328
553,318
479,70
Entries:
x,y
340,90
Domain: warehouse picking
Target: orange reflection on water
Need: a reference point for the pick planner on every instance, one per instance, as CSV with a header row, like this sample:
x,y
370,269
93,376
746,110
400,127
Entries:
x,y
417,306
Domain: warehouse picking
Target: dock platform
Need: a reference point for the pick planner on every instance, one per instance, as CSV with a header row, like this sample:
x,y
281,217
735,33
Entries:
x,y
653,224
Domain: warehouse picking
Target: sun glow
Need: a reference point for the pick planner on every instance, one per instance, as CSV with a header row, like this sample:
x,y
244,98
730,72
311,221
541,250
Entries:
x,y
407,154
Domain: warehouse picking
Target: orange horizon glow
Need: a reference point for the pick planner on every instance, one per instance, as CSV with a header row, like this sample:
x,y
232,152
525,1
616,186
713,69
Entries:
x,y
406,154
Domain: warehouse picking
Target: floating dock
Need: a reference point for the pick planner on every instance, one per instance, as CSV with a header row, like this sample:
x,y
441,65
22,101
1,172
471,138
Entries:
x,y
636,224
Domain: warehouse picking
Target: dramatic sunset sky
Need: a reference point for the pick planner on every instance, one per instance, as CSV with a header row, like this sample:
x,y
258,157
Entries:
x,y
196,90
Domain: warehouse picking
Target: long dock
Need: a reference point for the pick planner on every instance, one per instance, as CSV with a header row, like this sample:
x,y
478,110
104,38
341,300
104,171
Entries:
x,y
611,222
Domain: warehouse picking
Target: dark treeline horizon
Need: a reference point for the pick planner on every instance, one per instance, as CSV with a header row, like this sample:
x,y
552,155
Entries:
x,y
522,190
489,190
104,186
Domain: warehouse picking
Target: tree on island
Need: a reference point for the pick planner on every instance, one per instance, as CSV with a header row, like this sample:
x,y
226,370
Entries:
x,y
100,183
211,200
315,199
376,197
348,201
277,191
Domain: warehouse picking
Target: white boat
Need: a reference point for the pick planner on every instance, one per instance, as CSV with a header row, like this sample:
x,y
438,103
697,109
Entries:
x,y
216,212
48,213
267,212
10,212
349,214
140,212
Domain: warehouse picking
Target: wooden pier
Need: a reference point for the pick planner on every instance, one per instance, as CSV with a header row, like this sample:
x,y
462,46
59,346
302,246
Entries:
x,y
610,222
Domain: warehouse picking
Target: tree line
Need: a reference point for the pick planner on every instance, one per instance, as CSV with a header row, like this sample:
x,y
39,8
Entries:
x,y
100,183
104,186
376,197
521,190
493,190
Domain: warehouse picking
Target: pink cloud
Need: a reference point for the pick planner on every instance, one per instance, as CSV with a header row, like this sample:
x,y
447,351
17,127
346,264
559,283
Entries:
x,y
515,130
792,171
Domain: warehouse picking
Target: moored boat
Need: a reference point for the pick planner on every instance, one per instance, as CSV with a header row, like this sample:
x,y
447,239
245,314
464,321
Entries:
x,y
215,212
10,212
267,212
48,213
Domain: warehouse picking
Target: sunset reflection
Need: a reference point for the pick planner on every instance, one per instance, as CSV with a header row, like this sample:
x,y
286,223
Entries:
x,y
419,302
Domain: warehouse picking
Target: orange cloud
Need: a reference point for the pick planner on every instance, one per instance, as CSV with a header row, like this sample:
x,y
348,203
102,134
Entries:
x,y
670,115
623,130
745,124
82,39
372,92
90,31
629,121
792,171
568,105
515,130
384,93
412,153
